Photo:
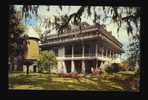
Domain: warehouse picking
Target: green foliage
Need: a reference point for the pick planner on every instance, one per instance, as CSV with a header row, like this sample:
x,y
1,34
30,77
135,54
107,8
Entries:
x,y
114,68
128,16
17,44
125,64
47,59
108,69
134,53
131,68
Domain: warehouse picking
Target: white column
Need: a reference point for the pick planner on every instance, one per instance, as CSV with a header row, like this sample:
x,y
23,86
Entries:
x,y
83,66
61,52
24,68
72,66
64,67
114,56
72,51
83,63
72,62
61,67
106,53
110,53
102,51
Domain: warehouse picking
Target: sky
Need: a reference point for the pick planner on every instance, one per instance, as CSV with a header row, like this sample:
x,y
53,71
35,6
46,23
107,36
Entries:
x,y
55,11
29,22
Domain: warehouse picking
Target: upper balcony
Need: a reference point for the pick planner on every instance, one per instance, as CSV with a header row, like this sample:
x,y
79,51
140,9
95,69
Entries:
x,y
90,57
77,34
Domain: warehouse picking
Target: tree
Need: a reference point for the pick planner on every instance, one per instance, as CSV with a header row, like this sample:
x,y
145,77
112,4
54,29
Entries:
x,y
119,15
134,51
16,42
38,30
47,60
128,17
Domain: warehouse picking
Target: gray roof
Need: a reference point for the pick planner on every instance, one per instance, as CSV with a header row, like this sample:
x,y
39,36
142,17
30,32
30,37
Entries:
x,y
31,33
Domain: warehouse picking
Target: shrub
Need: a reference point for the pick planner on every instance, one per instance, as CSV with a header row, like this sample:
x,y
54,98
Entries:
x,y
108,69
131,68
113,68
47,60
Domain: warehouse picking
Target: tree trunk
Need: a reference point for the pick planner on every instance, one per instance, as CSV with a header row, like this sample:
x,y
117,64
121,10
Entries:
x,y
12,65
49,70
19,66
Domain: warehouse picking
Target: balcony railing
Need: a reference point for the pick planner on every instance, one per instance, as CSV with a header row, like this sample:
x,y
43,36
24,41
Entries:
x,y
67,55
87,56
80,55
77,55
70,39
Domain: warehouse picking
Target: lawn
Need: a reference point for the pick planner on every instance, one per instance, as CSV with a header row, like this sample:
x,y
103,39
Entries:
x,y
40,81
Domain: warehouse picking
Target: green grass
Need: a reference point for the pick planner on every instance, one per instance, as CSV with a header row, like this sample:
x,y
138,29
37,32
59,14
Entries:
x,y
40,81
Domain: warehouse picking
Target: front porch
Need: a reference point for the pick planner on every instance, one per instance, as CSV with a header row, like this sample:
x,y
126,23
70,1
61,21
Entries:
x,y
79,66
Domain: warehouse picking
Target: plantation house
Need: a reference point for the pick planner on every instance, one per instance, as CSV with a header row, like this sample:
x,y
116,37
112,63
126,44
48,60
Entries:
x,y
79,50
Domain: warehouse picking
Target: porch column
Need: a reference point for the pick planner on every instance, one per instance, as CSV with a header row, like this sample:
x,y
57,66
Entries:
x,y
64,67
102,65
106,53
110,53
83,63
113,55
102,51
72,51
72,62
61,67
61,51
72,66
24,68
83,66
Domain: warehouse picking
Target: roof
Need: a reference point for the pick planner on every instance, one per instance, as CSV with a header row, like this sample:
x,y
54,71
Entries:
x,y
31,33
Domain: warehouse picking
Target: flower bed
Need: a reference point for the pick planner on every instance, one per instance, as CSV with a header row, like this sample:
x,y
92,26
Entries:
x,y
70,75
